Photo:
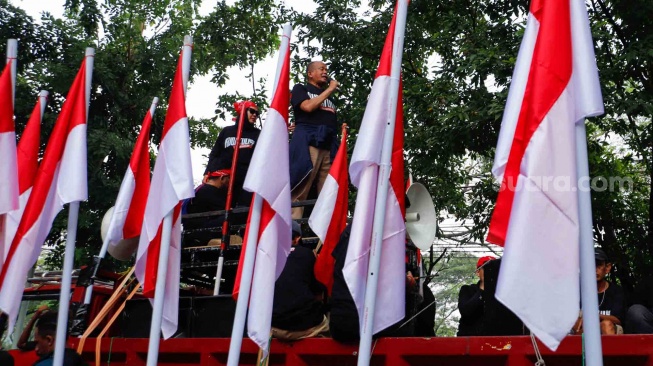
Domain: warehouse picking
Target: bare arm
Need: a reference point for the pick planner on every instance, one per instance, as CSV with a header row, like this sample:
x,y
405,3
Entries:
x,y
310,105
24,336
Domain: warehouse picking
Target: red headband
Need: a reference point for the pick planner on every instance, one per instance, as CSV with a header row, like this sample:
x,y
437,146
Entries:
x,y
219,173
238,106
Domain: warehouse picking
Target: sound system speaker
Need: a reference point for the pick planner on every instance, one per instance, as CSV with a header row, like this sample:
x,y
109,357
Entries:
x,y
213,316
137,318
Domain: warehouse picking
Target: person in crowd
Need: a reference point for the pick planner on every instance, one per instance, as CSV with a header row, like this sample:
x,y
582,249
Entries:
x,y
425,321
298,310
314,140
343,317
471,303
639,318
210,196
45,338
612,305
223,150
5,357
24,344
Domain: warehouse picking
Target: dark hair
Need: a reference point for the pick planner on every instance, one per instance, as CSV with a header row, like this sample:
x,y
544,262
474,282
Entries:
x,y
47,324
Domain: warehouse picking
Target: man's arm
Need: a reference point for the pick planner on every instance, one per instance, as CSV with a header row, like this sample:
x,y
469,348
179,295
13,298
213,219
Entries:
x,y
309,105
611,318
24,336
469,301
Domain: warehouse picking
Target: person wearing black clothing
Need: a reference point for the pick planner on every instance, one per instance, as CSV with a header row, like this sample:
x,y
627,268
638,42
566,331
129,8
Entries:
x,y
210,196
612,304
314,141
44,337
298,310
223,150
471,304
639,318
425,321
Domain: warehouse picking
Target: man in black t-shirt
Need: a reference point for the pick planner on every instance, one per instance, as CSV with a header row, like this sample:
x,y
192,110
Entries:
x,y
223,150
612,305
639,318
314,141
471,303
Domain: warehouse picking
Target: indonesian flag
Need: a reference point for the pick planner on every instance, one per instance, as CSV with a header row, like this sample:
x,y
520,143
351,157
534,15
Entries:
x,y
268,176
329,216
28,164
127,219
8,164
364,171
60,179
172,181
555,85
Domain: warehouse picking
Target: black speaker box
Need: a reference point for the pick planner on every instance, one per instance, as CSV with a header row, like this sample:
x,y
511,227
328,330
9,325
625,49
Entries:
x,y
213,316
137,317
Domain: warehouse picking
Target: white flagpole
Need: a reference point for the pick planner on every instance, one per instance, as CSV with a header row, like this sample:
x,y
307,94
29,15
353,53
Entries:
x,y
588,290
12,54
245,283
166,231
252,237
105,243
365,347
69,256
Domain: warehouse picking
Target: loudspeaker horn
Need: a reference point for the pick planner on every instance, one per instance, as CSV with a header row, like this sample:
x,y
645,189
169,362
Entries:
x,y
420,216
125,248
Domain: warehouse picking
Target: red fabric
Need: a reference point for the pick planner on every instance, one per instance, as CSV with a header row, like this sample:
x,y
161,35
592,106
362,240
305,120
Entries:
x,y
177,106
267,213
6,100
324,264
238,106
73,113
28,150
140,166
549,74
23,358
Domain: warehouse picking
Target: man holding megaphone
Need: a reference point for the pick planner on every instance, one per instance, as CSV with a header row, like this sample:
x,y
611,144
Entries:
x,y
314,142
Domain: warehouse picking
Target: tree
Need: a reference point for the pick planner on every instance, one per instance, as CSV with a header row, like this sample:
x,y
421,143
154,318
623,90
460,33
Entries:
x,y
137,44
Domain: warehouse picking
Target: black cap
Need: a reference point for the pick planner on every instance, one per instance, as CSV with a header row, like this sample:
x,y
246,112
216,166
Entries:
x,y
600,255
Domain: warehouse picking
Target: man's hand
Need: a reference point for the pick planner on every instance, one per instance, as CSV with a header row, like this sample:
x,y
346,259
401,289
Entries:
x,y
333,84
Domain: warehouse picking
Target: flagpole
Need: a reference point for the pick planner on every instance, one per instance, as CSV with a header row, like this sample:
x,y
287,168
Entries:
x,y
157,307
365,347
69,255
105,243
252,238
166,232
588,289
245,282
12,54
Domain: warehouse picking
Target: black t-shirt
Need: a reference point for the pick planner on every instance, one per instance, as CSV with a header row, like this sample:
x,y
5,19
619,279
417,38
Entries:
x,y
295,293
612,302
471,308
324,115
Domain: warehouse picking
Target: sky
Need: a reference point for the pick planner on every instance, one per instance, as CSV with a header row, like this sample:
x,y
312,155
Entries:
x,y
202,95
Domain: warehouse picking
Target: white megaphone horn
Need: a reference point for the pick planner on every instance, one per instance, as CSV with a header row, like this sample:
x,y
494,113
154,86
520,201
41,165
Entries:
x,y
125,248
420,216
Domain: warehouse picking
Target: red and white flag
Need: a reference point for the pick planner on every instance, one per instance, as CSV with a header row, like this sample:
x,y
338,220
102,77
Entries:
x,y
269,177
127,219
28,163
364,171
329,216
8,164
60,179
554,86
172,181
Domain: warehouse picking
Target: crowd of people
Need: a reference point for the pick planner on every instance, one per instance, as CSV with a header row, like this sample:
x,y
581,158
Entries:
x,y
619,312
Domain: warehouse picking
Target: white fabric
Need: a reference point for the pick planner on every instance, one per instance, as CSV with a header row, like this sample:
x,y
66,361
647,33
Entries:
x,y
171,182
121,208
363,171
268,176
539,278
323,210
9,173
13,219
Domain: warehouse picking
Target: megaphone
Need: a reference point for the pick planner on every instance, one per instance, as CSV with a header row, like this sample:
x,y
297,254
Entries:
x,y
125,248
420,216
